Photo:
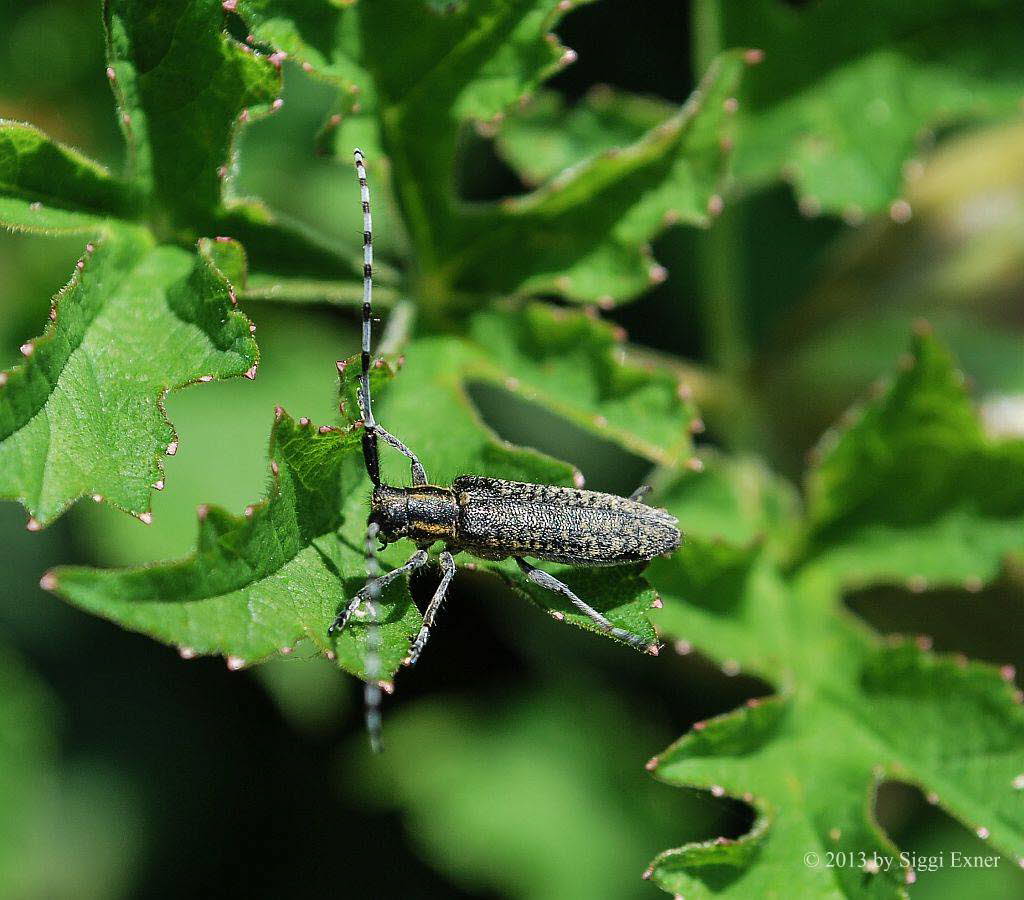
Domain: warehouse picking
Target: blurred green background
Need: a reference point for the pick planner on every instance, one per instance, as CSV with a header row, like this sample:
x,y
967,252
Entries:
x,y
126,771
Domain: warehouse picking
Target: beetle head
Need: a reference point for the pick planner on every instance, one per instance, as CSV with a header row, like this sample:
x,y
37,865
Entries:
x,y
389,509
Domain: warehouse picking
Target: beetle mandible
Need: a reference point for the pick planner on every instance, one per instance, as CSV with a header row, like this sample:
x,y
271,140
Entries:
x,y
491,518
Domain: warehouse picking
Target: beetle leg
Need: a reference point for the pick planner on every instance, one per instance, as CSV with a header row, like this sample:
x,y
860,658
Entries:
x,y
377,584
548,581
433,607
419,475
640,493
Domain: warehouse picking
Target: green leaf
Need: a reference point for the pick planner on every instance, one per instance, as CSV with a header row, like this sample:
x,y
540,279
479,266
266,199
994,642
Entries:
x,y
842,124
848,710
561,361
810,764
912,488
584,235
181,101
576,366
304,30
260,582
461,62
84,413
543,138
223,430
47,187
181,86
142,316
851,714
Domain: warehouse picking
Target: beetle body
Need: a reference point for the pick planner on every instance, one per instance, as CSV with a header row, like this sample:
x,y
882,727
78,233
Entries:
x,y
494,519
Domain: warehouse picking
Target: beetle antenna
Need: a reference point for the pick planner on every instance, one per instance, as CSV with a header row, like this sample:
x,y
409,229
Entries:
x,y
371,664
370,455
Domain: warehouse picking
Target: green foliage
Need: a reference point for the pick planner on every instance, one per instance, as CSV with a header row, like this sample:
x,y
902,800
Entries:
x,y
147,309
179,101
912,488
842,101
261,581
911,492
875,80
47,187
849,711
544,138
584,235
810,763
84,413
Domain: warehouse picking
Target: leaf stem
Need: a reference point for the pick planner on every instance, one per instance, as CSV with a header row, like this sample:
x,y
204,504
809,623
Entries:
x,y
720,249
720,258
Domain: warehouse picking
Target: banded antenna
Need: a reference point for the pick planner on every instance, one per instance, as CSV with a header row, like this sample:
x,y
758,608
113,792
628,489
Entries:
x,y
370,454
371,654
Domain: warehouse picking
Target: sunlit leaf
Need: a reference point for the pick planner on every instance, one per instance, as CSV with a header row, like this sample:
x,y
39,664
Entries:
x,y
261,581
84,413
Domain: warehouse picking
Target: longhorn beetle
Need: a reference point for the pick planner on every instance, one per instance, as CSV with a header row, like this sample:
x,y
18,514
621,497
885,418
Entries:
x,y
486,517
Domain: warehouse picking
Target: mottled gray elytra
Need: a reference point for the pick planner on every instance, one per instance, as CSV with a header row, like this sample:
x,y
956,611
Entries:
x,y
486,517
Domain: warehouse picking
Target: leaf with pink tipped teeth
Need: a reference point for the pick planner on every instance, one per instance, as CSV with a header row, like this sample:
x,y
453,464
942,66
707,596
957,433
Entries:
x,y
264,580
145,314
584,234
83,414
881,79
811,762
562,361
279,574
851,710
576,367
181,85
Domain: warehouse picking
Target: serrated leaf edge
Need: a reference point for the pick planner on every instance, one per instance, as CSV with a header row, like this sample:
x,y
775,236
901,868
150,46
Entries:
x,y
10,377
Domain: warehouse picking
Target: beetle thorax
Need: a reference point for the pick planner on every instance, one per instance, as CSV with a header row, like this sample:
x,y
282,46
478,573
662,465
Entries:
x,y
423,514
